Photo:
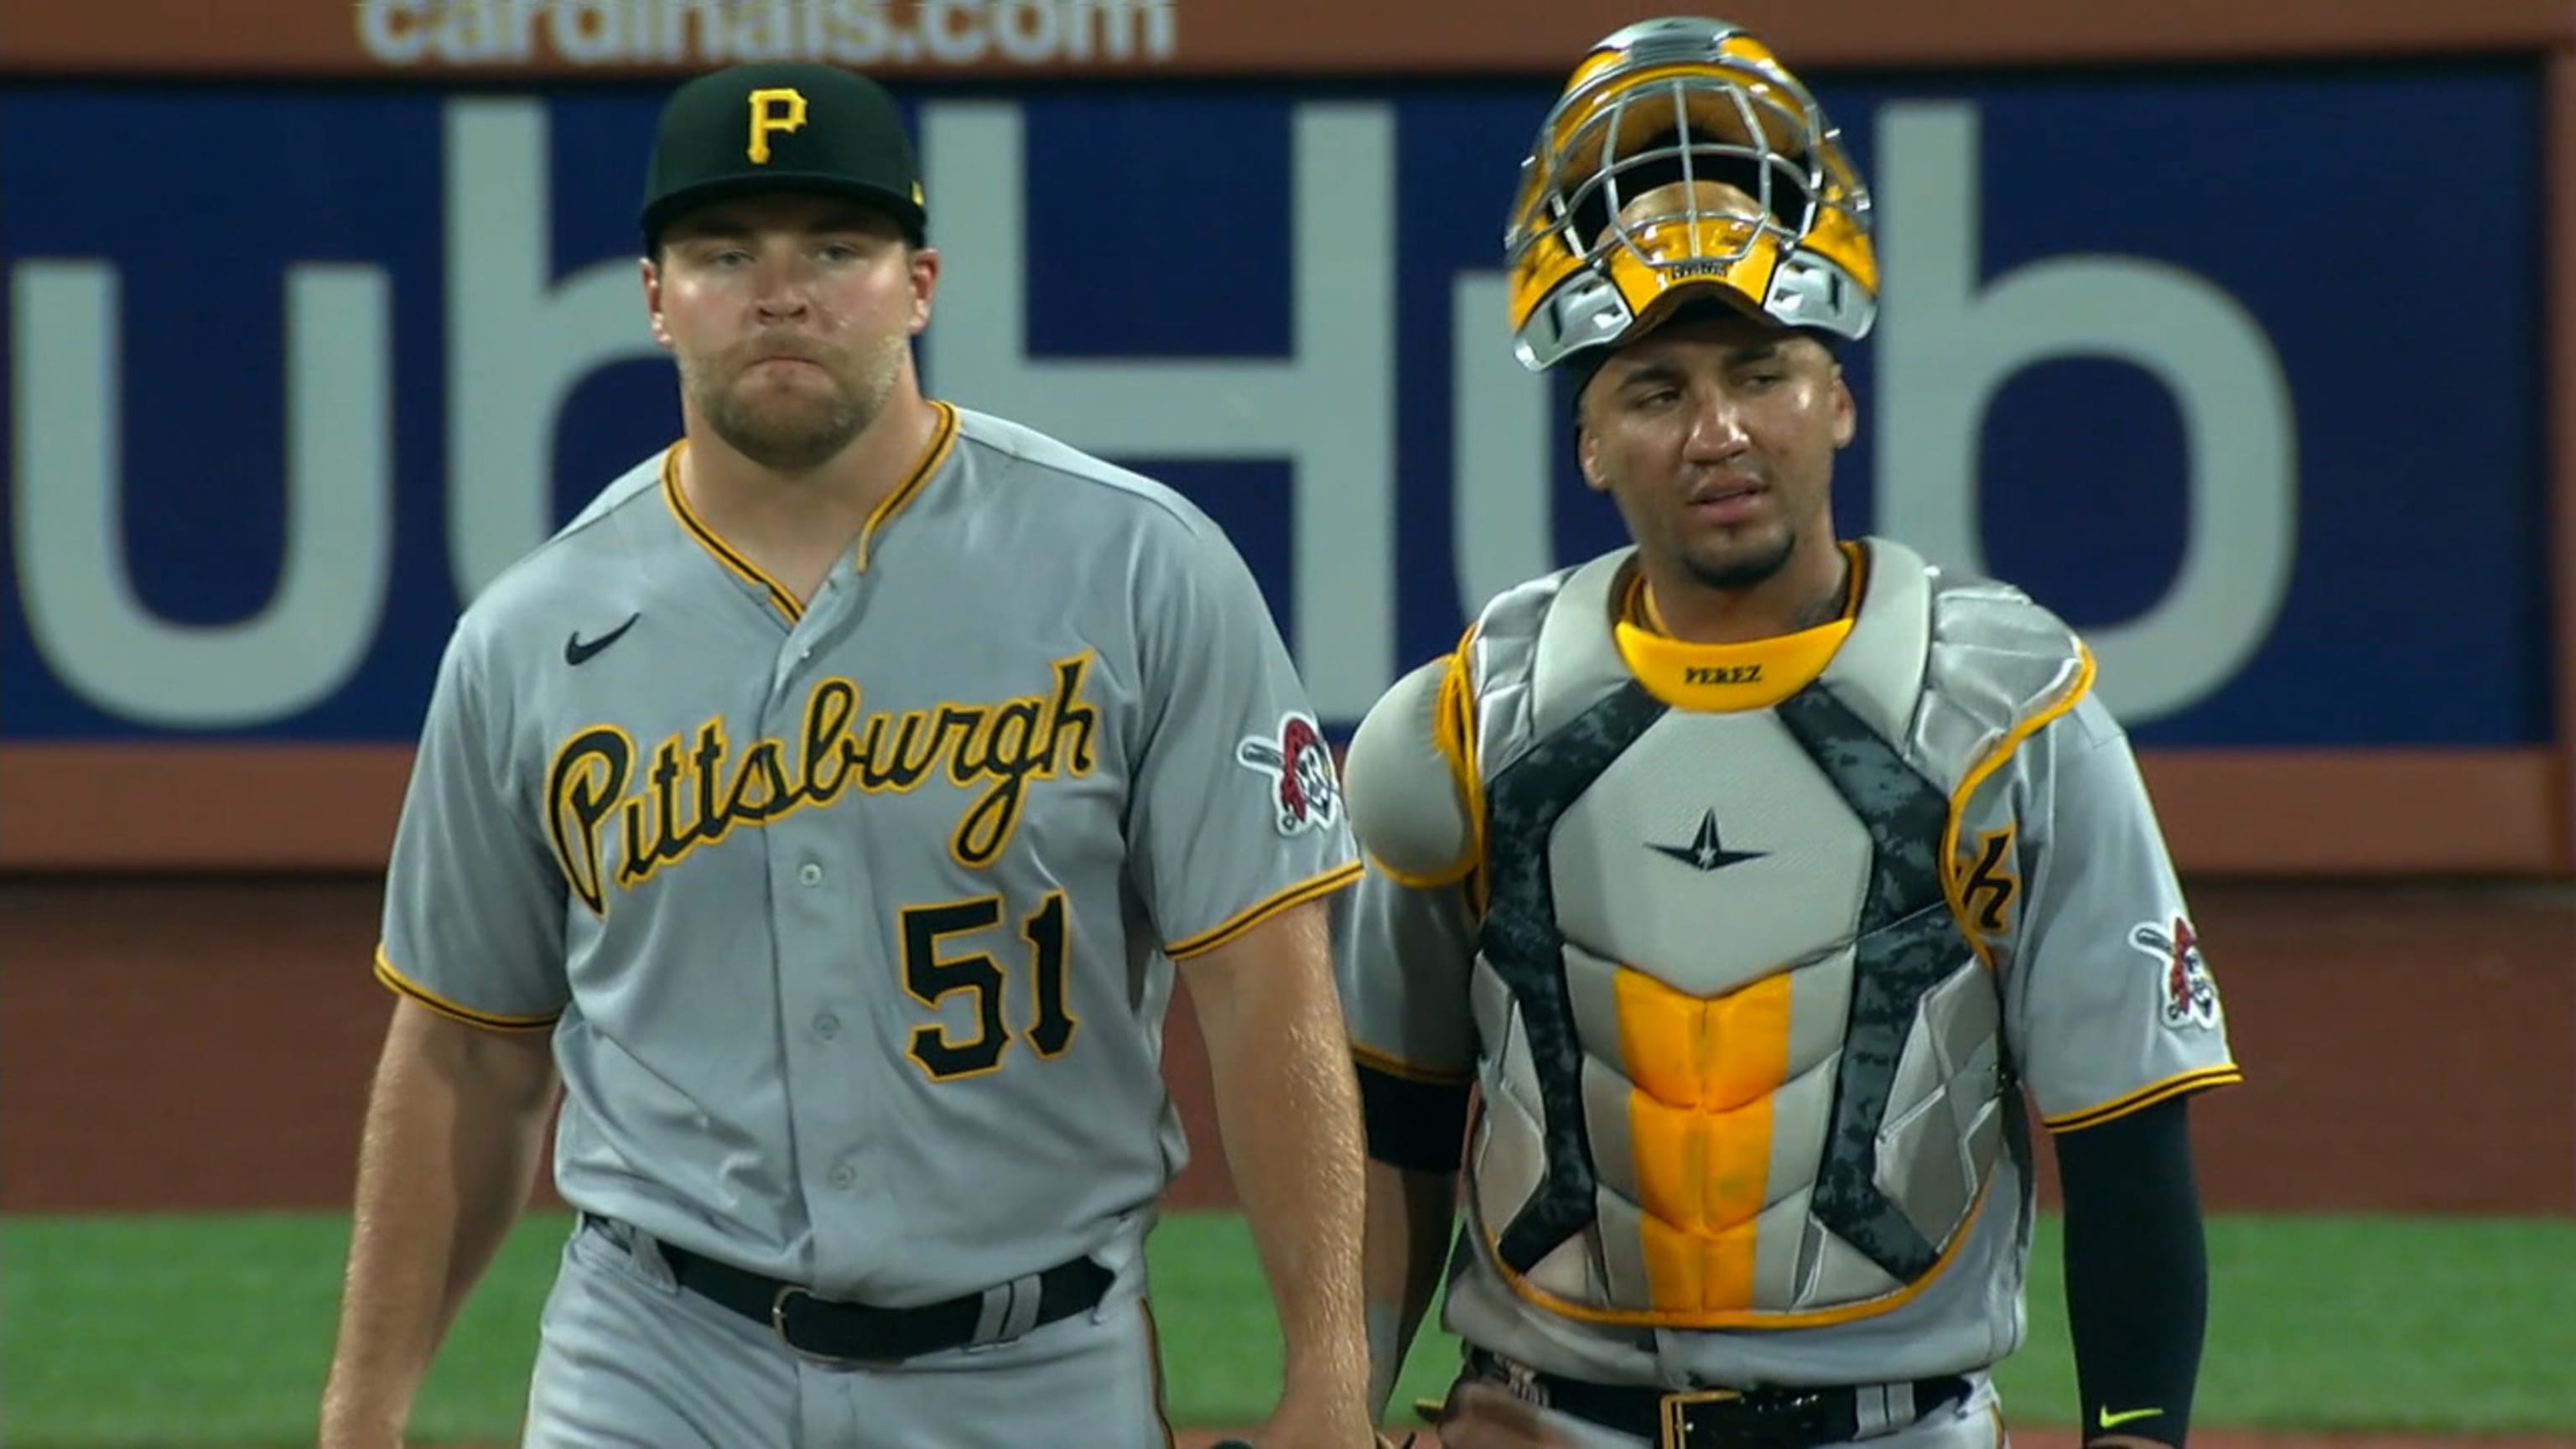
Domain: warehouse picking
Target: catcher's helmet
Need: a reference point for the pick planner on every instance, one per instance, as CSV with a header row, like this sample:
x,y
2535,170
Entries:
x,y
1681,162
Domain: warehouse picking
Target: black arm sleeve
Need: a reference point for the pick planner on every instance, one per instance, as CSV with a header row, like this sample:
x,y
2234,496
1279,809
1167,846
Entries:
x,y
2137,1271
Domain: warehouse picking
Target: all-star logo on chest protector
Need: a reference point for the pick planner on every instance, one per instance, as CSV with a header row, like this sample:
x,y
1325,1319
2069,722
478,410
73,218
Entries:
x,y
1300,766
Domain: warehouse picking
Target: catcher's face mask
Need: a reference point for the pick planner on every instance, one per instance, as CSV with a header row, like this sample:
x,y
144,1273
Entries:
x,y
1684,162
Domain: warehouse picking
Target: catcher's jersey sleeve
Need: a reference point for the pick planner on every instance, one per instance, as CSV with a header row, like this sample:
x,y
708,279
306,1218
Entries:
x,y
474,906
1403,956
2109,1005
1407,943
1237,810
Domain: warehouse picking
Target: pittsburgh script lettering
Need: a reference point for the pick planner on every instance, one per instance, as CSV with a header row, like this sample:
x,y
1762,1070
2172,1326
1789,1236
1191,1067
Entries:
x,y
696,788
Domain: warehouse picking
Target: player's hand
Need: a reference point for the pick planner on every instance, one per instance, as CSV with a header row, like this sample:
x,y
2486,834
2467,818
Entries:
x,y
1484,1416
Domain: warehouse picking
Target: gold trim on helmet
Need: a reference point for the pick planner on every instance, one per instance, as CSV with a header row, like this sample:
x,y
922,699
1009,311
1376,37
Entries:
x,y
1683,159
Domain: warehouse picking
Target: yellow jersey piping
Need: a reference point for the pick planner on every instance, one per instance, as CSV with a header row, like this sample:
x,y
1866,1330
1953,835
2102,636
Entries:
x,y
1154,1367
455,1011
2140,1100
1253,915
784,600
1953,889
942,440
1397,1067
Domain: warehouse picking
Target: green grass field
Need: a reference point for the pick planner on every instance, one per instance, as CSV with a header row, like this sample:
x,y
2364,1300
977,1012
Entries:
x,y
211,1333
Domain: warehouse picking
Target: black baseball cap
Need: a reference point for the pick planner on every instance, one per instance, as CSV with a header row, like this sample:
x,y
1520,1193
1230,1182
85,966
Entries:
x,y
785,126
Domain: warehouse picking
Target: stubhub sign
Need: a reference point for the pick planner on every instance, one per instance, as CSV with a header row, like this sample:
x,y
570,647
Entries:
x,y
296,373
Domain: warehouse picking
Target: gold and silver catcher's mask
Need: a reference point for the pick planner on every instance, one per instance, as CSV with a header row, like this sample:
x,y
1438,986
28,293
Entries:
x,y
1682,162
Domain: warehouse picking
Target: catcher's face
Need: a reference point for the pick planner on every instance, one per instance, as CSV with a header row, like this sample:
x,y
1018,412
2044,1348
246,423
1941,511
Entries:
x,y
791,319
1715,434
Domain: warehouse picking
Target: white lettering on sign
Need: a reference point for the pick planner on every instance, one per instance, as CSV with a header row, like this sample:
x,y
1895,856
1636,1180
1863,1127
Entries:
x,y
517,344
1328,408
520,339
707,33
95,632
1948,345
1506,443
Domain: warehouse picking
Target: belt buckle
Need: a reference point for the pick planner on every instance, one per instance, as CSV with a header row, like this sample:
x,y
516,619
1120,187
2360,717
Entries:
x,y
778,1325
1676,1412
778,1319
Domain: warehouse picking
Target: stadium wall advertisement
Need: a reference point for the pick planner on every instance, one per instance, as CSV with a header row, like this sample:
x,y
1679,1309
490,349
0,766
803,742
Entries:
x,y
357,322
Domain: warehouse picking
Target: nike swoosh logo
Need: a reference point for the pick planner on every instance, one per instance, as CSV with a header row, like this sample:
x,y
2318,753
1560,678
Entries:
x,y
2110,1420
576,652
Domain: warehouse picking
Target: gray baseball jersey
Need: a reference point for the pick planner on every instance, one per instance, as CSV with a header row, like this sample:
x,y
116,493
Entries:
x,y
854,922
1751,949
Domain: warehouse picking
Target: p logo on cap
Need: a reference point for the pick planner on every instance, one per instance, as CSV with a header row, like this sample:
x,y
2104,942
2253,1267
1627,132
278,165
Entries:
x,y
780,126
766,117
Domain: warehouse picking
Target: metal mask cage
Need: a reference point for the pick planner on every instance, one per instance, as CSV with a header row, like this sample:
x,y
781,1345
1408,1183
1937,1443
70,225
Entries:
x,y
1619,136
1672,117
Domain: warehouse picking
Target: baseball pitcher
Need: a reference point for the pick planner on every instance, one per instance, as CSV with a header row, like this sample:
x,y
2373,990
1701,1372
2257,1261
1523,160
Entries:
x,y
826,808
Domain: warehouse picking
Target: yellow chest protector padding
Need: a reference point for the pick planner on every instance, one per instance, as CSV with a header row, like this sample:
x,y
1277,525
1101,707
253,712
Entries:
x,y
1907,943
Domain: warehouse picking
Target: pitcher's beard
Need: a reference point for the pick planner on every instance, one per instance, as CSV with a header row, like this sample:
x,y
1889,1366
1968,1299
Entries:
x,y
785,436
797,431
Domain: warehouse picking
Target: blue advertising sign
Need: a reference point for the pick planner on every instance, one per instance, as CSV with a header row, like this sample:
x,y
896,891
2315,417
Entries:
x,y
2239,370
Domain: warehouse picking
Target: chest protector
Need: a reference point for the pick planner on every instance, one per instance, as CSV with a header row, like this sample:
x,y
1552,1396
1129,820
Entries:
x,y
1741,1063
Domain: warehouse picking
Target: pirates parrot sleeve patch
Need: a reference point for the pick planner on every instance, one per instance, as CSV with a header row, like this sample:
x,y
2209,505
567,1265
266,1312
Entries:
x,y
1237,811
1297,767
2110,1003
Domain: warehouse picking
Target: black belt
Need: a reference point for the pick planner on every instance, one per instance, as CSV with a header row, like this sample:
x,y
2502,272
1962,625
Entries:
x,y
1713,1418
860,1333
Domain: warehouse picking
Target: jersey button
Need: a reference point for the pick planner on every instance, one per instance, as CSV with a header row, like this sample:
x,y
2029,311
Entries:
x,y
845,1176
810,873
827,1026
